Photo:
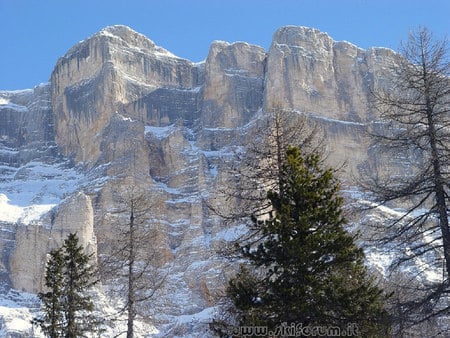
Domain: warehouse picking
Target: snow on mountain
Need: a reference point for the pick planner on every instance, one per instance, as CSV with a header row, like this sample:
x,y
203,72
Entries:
x,y
17,309
120,109
30,191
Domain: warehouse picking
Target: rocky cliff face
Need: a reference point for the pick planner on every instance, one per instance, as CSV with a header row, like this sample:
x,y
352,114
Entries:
x,y
330,82
233,88
26,126
99,76
119,108
32,243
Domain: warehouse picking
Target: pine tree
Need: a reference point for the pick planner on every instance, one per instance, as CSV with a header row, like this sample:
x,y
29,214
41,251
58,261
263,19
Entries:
x,y
67,308
307,269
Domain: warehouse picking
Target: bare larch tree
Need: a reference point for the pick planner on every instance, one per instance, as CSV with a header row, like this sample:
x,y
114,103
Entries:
x,y
259,164
134,261
415,124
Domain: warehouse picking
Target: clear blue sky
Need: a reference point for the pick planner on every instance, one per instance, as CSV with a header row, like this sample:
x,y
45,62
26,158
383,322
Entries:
x,y
35,33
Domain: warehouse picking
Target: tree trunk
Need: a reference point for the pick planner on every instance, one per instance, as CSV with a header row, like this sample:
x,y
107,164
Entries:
x,y
439,191
131,295
437,170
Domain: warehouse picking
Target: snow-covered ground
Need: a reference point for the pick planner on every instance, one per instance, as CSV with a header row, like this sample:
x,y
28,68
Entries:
x,y
26,194
381,258
17,309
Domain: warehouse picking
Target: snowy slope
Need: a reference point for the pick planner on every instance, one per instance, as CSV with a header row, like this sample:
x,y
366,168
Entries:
x,y
17,309
28,192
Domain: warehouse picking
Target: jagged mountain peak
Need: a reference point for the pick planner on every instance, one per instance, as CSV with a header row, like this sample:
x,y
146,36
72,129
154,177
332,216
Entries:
x,y
130,37
310,39
118,30
119,37
292,34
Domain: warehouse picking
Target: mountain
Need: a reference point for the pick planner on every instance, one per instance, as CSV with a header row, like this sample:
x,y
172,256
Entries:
x,y
119,109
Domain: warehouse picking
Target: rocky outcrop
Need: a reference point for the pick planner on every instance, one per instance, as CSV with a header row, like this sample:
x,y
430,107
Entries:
x,y
97,77
308,71
34,241
331,83
26,126
233,90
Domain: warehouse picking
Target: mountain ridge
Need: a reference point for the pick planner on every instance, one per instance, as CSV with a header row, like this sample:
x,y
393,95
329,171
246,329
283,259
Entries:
x,y
120,110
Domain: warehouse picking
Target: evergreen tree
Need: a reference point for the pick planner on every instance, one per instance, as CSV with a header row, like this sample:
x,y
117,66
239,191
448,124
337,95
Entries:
x,y
79,277
306,268
53,318
67,309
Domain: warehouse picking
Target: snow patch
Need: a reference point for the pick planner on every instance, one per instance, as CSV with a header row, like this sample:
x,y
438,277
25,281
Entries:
x,y
29,192
12,106
159,132
380,260
24,215
17,309
327,119
230,234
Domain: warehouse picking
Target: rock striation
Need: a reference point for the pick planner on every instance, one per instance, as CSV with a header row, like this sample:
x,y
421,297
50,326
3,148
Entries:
x,y
119,109
26,125
33,242
102,74
330,82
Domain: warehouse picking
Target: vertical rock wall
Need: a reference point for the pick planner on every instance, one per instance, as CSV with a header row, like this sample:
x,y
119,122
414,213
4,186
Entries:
x,y
34,242
233,90
330,82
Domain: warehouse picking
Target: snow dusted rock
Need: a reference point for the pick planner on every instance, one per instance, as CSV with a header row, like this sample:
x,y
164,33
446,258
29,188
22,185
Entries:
x,y
26,125
330,82
126,110
100,75
233,90
34,241
308,71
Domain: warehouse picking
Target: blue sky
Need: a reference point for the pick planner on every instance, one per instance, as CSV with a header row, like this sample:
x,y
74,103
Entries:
x,y
35,33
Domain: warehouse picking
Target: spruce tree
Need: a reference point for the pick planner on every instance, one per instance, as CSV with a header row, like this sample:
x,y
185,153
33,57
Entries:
x,y
79,277
52,320
67,308
306,269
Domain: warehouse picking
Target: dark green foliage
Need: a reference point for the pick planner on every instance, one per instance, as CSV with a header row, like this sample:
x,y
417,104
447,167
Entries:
x,y
79,277
307,269
66,306
52,320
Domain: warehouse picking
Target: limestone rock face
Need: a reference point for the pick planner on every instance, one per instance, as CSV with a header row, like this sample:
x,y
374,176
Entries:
x,y
100,75
328,81
34,242
26,125
234,78
307,70
120,109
